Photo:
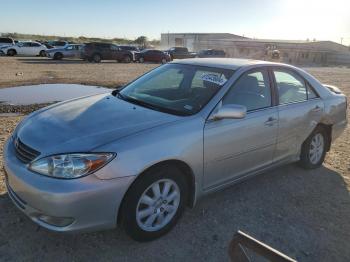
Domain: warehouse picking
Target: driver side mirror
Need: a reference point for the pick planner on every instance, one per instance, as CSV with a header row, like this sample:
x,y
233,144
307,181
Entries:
x,y
229,112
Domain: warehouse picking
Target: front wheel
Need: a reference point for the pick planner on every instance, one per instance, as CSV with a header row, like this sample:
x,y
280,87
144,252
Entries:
x,y
313,151
58,56
11,52
127,59
154,203
141,60
42,53
96,58
163,61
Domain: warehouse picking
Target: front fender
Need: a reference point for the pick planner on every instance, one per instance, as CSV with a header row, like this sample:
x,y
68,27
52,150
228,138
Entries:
x,y
181,141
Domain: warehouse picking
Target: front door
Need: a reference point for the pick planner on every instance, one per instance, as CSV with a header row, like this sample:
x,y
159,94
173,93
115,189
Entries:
x,y
24,48
235,147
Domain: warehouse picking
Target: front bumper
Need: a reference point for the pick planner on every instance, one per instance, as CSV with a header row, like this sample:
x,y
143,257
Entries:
x,y
89,203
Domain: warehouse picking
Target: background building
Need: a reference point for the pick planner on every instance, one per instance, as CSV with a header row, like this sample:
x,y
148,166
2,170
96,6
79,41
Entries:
x,y
288,51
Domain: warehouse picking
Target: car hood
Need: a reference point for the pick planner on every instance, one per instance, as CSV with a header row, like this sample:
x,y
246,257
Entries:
x,y
83,124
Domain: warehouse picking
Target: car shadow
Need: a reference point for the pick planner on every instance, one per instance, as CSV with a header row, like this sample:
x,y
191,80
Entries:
x,y
302,213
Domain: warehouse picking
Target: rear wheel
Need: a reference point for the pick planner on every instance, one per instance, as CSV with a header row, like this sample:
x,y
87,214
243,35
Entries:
x,y
163,61
141,60
313,150
42,53
11,52
96,58
154,203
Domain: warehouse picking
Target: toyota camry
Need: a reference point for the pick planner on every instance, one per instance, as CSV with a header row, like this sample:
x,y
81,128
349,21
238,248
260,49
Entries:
x,y
137,157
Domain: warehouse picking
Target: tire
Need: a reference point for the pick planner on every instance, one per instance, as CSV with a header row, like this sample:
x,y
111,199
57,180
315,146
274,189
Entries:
x,y
96,58
163,61
127,59
314,149
42,53
134,221
11,52
141,60
58,56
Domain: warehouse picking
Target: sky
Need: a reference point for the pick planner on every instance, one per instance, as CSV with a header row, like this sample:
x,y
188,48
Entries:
x,y
266,19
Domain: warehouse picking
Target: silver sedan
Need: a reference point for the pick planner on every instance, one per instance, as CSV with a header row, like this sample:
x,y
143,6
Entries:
x,y
69,51
139,156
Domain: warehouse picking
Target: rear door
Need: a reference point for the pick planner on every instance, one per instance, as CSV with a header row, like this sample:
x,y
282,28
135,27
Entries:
x,y
115,53
69,51
235,147
300,109
77,50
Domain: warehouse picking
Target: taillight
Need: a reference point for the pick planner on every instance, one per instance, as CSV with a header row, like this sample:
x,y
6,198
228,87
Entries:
x,y
333,89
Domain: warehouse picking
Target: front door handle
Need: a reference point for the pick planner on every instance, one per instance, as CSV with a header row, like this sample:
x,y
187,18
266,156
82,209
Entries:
x,y
270,121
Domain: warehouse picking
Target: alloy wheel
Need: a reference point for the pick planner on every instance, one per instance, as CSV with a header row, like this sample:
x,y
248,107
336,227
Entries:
x,y
158,205
316,148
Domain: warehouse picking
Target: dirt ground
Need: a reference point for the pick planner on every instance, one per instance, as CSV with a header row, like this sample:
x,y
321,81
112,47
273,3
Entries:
x,y
15,71
304,214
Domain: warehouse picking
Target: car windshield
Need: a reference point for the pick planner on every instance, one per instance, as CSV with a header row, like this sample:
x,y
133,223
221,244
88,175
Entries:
x,y
176,88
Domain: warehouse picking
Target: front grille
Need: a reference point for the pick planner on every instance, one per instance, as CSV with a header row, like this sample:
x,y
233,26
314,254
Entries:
x,y
23,152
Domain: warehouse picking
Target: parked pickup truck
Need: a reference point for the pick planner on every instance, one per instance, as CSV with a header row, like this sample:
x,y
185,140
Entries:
x,y
95,52
180,53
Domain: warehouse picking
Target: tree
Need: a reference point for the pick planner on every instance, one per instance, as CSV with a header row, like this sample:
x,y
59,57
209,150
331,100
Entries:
x,y
141,40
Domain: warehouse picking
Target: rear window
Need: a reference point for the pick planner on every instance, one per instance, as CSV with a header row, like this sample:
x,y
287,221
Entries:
x,y
181,49
219,52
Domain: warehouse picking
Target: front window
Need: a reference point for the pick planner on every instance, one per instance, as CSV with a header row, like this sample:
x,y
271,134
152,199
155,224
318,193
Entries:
x,y
176,89
252,90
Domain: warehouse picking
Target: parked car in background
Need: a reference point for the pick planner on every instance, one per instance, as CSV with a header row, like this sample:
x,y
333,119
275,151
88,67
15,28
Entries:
x,y
180,53
6,41
137,157
129,48
132,49
27,48
69,51
208,53
150,55
96,52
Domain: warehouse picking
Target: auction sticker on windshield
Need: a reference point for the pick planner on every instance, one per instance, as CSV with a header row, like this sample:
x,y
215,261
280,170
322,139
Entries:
x,y
213,78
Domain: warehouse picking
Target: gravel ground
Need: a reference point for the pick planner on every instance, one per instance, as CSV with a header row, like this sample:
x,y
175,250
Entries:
x,y
302,213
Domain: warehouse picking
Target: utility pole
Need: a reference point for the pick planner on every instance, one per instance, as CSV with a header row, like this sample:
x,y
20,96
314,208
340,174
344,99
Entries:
x,y
341,40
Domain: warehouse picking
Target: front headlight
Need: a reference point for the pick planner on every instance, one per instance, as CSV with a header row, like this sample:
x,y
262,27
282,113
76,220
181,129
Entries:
x,y
70,165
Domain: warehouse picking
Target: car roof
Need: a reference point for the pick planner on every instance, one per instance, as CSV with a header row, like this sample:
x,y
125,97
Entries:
x,y
226,63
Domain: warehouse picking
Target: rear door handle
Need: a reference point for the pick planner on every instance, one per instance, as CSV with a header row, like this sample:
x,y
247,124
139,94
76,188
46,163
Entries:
x,y
270,121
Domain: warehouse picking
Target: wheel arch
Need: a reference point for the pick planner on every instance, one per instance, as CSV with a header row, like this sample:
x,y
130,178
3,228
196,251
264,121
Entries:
x,y
58,53
182,166
12,49
328,129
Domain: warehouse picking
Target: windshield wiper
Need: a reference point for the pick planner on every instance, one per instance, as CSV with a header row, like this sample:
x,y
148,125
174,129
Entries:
x,y
150,106
138,102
